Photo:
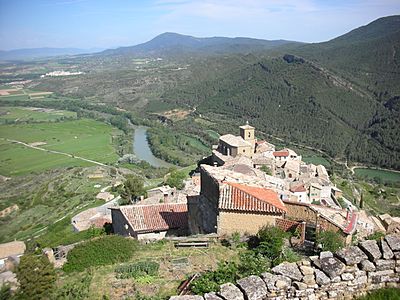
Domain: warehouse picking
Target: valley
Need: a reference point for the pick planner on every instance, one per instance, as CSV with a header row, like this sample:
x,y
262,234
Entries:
x,y
76,130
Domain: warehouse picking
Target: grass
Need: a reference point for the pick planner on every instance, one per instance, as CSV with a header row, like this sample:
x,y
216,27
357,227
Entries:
x,y
383,175
213,134
47,202
382,294
62,233
85,138
16,160
195,143
20,114
170,274
316,160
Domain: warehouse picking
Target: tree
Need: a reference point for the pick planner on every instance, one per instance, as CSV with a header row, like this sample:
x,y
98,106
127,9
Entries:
x,y
176,179
133,188
36,276
266,170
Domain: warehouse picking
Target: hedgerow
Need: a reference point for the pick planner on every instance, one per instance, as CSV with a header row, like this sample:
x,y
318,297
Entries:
x,y
102,251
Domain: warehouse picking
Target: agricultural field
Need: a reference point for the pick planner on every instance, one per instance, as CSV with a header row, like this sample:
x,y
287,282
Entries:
x,y
30,114
382,175
85,138
47,202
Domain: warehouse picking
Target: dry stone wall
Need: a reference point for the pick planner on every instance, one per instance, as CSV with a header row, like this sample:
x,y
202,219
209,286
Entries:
x,y
346,274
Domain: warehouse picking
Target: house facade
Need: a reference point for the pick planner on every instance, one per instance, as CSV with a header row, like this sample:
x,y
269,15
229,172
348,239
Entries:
x,y
225,207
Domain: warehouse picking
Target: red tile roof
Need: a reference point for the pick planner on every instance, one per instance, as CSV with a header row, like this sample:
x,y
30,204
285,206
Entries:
x,y
156,217
241,197
298,189
281,153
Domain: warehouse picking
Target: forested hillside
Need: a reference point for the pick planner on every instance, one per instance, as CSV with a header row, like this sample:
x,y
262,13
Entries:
x,y
341,96
174,45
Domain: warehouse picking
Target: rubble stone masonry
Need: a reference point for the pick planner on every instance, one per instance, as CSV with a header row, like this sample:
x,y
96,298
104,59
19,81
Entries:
x,y
347,274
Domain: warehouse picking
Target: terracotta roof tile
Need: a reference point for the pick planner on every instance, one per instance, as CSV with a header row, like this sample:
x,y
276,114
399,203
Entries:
x,y
156,217
241,197
281,153
298,189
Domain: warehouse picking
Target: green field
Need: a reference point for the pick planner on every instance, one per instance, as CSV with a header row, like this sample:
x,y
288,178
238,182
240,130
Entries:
x,y
213,134
26,114
85,138
385,176
316,160
195,143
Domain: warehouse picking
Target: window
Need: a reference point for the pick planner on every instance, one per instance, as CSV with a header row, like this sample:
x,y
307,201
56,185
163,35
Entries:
x,y
244,150
249,135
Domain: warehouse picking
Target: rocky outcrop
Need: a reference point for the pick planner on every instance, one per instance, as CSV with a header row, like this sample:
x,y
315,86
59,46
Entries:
x,y
347,273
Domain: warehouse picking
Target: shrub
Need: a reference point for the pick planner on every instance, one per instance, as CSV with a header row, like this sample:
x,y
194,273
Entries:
x,y
289,255
266,170
252,263
36,277
76,289
5,292
138,269
383,294
176,179
269,242
211,280
329,241
102,251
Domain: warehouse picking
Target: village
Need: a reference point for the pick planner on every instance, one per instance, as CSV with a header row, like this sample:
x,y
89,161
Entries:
x,y
243,185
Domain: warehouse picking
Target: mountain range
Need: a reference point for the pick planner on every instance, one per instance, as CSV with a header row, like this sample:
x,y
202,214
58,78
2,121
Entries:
x,y
37,53
341,96
170,43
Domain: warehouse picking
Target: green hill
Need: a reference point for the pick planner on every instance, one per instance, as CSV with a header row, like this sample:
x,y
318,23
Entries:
x,y
341,96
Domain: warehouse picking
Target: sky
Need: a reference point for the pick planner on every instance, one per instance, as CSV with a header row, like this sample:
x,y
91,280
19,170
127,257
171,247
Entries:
x,y
112,23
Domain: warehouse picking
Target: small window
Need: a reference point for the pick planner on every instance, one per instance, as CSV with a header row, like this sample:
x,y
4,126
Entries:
x,y
249,135
244,150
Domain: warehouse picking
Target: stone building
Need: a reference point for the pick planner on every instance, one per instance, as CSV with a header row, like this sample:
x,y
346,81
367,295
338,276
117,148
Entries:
x,y
163,193
230,146
225,207
150,222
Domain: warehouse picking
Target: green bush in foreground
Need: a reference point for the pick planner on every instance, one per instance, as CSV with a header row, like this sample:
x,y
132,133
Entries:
x,y
210,281
102,251
77,289
383,294
330,241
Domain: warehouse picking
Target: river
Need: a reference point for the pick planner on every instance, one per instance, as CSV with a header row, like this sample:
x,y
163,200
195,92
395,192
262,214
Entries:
x,y
142,149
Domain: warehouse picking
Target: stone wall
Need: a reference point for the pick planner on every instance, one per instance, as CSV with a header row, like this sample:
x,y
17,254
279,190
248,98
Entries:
x,y
247,223
346,274
304,212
